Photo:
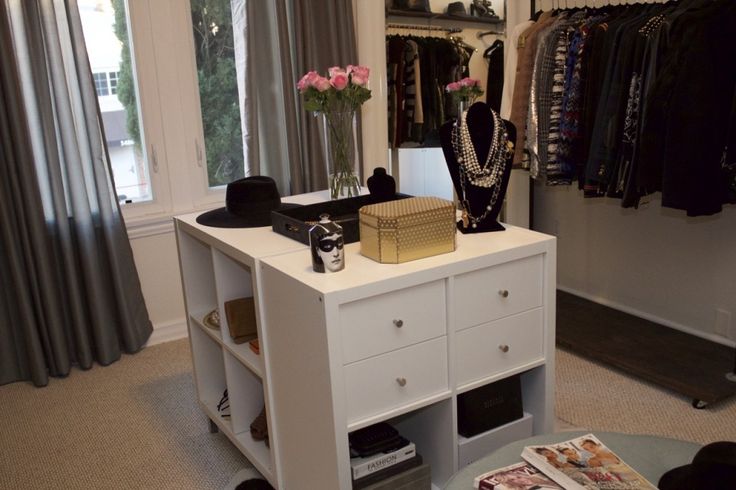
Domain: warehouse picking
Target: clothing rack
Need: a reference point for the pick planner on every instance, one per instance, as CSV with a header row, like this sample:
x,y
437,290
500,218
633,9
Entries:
x,y
449,30
672,365
490,33
563,4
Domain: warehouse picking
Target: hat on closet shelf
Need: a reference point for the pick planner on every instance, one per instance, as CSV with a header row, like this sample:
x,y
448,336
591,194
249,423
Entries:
x,y
713,466
413,5
248,204
457,9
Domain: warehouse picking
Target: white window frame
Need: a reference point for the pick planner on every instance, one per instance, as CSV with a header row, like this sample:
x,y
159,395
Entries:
x,y
169,109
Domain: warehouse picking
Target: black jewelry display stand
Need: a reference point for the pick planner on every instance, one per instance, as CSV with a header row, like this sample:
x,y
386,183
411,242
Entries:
x,y
480,125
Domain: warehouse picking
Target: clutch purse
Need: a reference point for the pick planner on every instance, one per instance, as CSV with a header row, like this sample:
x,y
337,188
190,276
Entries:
x,y
241,319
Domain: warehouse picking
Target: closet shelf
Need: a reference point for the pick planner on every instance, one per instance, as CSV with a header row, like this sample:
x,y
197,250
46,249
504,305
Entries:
x,y
398,16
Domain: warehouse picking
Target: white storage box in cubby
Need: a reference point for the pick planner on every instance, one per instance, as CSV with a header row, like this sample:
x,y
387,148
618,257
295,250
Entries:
x,y
471,449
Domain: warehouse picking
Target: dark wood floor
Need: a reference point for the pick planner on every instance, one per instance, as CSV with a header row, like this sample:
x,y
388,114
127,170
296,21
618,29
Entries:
x,y
689,365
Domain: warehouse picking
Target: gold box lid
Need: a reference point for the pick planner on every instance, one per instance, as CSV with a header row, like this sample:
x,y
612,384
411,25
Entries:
x,y
407,212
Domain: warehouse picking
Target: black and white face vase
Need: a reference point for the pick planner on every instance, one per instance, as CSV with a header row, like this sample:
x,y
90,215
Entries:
x,y
327,245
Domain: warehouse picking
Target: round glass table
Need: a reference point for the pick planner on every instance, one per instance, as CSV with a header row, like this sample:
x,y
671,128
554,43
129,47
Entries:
x,y
651,456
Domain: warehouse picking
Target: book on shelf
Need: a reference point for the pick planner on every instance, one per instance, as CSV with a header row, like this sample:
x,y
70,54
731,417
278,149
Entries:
x,y
381,476
519,476
584,463
370,464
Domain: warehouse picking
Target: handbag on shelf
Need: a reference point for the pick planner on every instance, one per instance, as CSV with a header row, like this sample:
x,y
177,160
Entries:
x,y
241,319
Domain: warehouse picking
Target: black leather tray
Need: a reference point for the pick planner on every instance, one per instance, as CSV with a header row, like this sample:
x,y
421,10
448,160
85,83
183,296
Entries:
x,y
295,222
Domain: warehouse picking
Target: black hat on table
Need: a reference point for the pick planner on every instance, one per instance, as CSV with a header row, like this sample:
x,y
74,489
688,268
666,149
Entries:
x,y
248,204
713,467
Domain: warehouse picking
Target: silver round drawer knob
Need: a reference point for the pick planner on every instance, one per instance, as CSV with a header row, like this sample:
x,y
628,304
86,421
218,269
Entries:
x,y
401,381
504,293
503,348
399,323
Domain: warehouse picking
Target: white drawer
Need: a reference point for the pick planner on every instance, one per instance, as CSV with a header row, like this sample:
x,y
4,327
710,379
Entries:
x,y
499,346
495,292
391,321
396,379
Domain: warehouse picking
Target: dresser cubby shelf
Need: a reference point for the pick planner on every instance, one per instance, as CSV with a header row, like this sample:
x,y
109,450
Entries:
x,y
526,370
334,358
196,319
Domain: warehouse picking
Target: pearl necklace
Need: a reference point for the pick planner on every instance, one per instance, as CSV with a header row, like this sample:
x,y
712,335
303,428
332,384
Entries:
x,y
490,175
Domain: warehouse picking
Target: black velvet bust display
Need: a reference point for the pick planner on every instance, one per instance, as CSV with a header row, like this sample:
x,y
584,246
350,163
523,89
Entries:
x,y
480,125
381,185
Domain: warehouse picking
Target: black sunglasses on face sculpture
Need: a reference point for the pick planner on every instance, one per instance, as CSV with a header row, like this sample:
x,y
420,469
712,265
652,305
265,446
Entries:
x,y
327,244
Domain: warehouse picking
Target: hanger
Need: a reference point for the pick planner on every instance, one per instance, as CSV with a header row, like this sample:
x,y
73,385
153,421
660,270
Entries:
x,y
458,40
490,49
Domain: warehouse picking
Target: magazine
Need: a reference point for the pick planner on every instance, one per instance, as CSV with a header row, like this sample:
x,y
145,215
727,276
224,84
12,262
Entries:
x,y
519,476
585,463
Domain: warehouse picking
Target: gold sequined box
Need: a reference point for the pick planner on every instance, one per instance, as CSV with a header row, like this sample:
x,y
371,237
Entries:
x,y
408,229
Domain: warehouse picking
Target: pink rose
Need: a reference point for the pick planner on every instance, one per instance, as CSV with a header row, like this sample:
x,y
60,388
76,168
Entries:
x,y
468,82
359,74
335,70
307,81
339,80
357,80
453,86
321,84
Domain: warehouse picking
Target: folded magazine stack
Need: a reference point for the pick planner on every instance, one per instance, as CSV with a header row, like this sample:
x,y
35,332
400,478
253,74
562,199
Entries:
x,y
583,463
379,455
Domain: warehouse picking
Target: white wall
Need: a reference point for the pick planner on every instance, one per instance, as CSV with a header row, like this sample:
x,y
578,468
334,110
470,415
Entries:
x,y
654,261
158,268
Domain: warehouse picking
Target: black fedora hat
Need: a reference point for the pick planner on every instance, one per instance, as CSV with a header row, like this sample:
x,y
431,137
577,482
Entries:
x,y
713,467
248,204
457,9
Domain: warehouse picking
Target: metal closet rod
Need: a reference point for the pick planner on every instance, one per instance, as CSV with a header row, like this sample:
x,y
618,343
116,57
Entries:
x,y
424,28
533,3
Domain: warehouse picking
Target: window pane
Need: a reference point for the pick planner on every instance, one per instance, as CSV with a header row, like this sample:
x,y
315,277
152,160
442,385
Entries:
x,y
113,78
106,33
218,90
100,83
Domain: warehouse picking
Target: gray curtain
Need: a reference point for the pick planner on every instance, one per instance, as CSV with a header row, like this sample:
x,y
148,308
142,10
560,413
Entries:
x,y
324,34
280,41
70,293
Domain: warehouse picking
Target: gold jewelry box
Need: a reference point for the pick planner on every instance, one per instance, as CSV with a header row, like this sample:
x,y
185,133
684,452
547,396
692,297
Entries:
x,y
408,229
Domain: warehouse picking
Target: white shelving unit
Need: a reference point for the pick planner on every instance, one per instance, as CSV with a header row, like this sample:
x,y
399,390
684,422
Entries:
x,y
375,342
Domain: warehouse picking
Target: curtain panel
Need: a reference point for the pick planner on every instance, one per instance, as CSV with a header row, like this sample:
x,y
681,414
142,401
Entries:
x,y
70,291
277,42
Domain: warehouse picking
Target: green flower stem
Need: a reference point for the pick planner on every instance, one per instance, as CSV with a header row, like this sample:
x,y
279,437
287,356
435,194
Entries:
x,y
341,148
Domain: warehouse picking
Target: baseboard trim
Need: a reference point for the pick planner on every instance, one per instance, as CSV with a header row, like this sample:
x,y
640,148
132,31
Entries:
x,y
166,332
648,316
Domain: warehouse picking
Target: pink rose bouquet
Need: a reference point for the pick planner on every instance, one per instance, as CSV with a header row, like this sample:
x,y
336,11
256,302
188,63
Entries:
x,y
344,89
337,96
466,90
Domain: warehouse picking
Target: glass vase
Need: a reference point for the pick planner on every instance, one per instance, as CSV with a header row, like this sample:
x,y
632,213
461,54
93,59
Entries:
x,y
341,147
462,106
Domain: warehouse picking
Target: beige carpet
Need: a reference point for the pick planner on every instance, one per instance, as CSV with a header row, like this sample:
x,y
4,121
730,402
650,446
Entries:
x,y
595,397
135,424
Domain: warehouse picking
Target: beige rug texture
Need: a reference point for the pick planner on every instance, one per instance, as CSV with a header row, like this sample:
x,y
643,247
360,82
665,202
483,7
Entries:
x,y
136,425
593,396
133,424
